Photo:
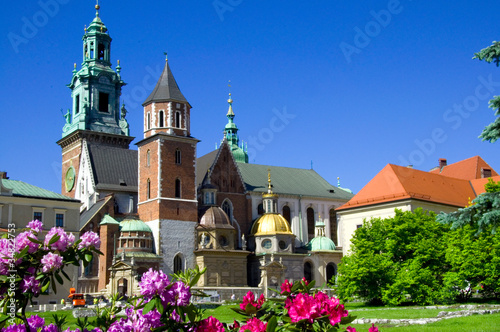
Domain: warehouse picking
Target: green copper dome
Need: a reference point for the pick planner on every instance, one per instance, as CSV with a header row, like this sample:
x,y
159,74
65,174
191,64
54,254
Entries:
x,y
134,225
321,243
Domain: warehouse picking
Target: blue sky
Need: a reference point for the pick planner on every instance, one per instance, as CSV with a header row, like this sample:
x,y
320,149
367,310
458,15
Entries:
x,y
348,86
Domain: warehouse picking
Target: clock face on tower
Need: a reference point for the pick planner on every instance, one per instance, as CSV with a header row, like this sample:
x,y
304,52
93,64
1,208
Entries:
x,y
70,178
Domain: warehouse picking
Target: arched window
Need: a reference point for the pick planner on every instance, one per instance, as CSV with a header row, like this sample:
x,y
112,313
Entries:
x,y
177,188
333,226
148,121
148,158
226,206
100,51
310,223
178,264
308,271
177,119
161,119
286,213
331,272
178,156
148,189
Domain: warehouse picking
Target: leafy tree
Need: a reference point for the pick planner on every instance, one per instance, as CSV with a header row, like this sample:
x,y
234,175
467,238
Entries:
x,y
491,54
474,263
394,258
482,213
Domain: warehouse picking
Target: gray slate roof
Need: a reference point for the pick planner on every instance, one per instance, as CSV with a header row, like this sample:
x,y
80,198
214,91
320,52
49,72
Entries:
x,y
87,215
166,88
115,169
290,181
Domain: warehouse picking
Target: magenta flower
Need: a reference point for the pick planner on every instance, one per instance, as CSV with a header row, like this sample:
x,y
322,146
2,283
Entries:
x,y
23,241
254,325
350,329
30,284
153,283
303,306
35,225
178,294
51,262
50,328
373,328
286,287
65,239
90,239
250,299
210,324
137,322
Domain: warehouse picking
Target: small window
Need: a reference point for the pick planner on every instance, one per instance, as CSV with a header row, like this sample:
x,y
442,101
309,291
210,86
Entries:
x,y
359,226
161,119
100,51
149,121
485,173
148,158
177,188
148,189
37,215
286,213
178,157
103,102
177,119
267,244
77,104
59,220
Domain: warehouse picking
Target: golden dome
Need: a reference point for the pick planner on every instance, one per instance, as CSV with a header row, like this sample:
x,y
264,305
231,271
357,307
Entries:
x,y
271,224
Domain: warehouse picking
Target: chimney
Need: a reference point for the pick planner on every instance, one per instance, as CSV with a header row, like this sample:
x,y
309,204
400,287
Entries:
x,y
442,163
3,175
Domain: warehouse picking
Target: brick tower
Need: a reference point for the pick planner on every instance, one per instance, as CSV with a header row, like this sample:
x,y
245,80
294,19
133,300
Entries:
x,y
96,116
167,161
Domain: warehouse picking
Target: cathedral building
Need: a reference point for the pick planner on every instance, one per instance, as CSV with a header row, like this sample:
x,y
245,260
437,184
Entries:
x,y
163,207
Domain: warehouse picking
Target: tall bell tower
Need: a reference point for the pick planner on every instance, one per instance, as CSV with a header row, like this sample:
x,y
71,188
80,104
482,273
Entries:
x,y
167,175
96,115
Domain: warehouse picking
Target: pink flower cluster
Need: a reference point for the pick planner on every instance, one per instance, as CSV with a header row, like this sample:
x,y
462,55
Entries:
x,y
90,239
65,240
371,329
136,321
249,299
51,262
254,325
305,306
210,324
36,226
35,323
157,283
23,241
286,287
30,284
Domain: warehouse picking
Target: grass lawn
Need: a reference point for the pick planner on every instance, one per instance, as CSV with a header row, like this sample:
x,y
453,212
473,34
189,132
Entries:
x,y
473,323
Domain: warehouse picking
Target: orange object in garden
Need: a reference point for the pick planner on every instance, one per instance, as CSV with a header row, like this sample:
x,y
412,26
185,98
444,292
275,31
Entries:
x,y
78,299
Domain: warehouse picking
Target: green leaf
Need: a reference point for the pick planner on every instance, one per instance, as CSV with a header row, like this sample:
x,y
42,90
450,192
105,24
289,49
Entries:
x,y
54,239
148,307
53,284
35,240
347,320
46,285
58,278
88,257
65,275
272,324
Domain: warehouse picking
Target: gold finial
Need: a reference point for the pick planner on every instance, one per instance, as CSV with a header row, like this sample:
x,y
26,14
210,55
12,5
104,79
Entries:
x,y
269,189
118,62
85,28
166,56
97,7
74,65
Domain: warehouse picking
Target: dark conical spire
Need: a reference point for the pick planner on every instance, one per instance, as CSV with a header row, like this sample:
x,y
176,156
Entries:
x,y
166,88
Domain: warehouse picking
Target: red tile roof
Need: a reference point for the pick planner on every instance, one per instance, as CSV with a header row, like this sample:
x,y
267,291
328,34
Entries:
x,y
467,169
394,183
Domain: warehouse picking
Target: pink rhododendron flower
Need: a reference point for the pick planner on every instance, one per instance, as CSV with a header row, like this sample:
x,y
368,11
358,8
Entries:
x,y
22,242
286,287
30,284
90,239
51,262
250,299
137,322
303,306
35,226
153,283
350,329
65,239
254,325
373,328
178,294
210,324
